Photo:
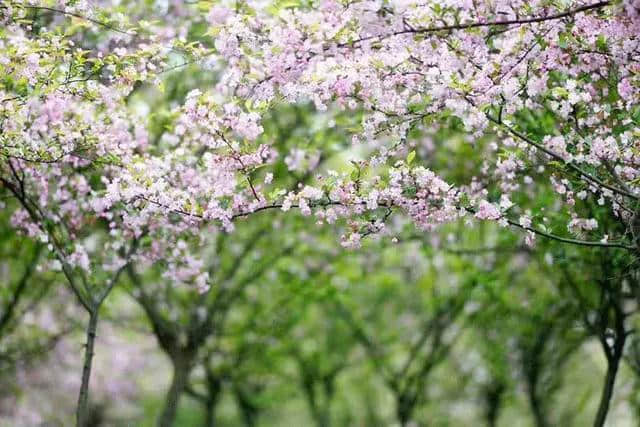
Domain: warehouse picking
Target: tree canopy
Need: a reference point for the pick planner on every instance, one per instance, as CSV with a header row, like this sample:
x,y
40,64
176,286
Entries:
x,y
343,212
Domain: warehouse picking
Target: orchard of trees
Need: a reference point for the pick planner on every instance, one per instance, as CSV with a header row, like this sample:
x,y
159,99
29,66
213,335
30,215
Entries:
x,y
319,213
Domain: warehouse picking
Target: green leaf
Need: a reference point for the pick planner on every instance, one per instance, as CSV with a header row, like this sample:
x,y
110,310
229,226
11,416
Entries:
x,y
560,92
601,43
411,156
563,41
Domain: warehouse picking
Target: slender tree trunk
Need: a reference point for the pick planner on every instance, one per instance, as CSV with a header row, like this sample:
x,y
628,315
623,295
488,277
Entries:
x,y
537,408
607,390
214,385
634,399
538,412
533,364
82,411
210,414
320,416
613,353
318,413
14,301
181,371
492,416
494,395
248,410
404,409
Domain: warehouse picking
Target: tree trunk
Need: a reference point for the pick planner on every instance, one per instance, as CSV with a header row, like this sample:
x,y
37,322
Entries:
x,y
494,395
214,390
318,413
404,409
613,353
537,407
607,391
82,410
247,408
538,412
210,414
181,371
320,416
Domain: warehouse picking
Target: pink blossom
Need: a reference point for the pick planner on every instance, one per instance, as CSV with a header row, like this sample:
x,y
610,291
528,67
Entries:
x,y
487,210
218,15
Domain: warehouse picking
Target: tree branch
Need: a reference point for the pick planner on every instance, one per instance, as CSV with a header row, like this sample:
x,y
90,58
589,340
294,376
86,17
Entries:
x,y
77,15
519,21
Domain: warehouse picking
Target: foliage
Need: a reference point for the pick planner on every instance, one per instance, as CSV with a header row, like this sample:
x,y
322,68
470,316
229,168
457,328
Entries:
x,y
333,212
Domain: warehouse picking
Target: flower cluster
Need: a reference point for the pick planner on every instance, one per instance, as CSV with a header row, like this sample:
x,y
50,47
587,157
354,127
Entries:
x,y
74,152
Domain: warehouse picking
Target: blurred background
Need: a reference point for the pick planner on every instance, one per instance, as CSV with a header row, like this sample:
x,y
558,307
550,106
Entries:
x,y
300,332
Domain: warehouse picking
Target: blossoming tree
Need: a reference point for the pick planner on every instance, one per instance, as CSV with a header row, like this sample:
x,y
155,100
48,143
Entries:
x,y
543,93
